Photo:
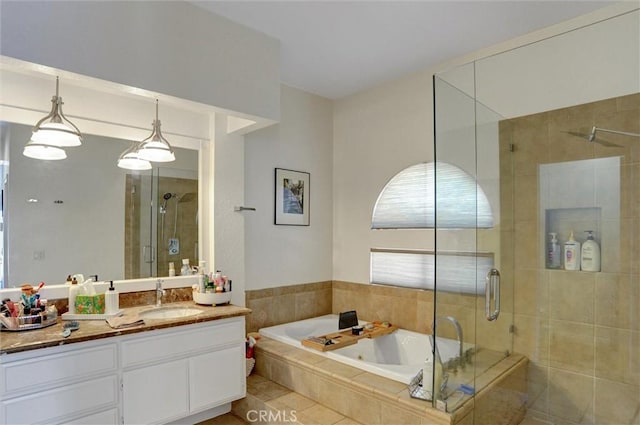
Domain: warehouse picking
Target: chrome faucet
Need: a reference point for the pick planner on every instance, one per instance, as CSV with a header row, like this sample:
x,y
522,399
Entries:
x,y
159,293
454,321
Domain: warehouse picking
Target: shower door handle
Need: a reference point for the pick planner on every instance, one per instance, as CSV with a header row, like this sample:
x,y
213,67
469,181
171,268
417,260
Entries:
x,y
492,291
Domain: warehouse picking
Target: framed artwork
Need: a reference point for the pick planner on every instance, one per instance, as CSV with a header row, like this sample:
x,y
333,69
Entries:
x,y
292,197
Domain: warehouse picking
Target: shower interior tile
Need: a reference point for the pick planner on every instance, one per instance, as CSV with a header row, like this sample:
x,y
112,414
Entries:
x,y
571,296
571,346
531,292
617,301
617,403
618,355
570,396
532,338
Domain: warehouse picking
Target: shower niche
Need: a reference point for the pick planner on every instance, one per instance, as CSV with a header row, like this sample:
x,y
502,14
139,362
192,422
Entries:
x,y
581,196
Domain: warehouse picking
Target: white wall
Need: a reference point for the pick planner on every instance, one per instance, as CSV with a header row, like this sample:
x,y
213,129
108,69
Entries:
x,y
379,132
169,47
302,141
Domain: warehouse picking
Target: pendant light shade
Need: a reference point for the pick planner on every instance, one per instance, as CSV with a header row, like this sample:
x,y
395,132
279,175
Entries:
x,y
42,151
155,147
130,159
55,129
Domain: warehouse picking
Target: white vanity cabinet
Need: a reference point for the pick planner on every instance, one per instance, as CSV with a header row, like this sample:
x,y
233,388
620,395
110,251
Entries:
x,y
68,384
149,377
182,371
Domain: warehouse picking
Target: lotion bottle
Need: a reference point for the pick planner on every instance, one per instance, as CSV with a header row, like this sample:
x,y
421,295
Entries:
x,y
590,258
572,254
111,300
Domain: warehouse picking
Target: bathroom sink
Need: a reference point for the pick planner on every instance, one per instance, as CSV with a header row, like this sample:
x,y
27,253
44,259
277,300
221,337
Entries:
x,y
169,312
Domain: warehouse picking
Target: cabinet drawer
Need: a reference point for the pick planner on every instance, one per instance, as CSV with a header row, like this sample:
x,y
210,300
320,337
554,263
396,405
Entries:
x,y
101,418
66,367
71,400
182,341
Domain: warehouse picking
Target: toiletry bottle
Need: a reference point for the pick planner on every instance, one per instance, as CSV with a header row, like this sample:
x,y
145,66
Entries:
x,y
74,290
438,375
553,252
572,254
202,266
172,269
186,269
590,260
111,300
427,375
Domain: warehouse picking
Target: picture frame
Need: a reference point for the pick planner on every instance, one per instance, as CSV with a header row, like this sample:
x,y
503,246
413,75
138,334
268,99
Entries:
x,y
292,196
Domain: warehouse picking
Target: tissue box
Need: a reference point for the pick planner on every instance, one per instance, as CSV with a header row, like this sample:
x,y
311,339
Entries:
x,y
90,304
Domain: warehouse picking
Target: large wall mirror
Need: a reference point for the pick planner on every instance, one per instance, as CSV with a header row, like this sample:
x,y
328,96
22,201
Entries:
x,y
85,215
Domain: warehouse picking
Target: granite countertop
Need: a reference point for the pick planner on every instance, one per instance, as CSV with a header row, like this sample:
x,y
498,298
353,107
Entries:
x,y
14,342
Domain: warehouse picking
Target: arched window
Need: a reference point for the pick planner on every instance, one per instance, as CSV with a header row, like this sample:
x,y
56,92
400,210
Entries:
x,y
424,196
412,197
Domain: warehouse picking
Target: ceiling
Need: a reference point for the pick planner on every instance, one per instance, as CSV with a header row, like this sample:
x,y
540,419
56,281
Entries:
x,y
337,48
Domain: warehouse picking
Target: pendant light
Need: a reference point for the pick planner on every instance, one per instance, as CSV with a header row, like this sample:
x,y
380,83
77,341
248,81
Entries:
x,y
155,147
130,159
41,151
55,129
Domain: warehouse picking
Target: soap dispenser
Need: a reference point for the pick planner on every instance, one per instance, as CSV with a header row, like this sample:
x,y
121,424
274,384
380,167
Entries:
x,y
572,254
111,300
74,290
590,259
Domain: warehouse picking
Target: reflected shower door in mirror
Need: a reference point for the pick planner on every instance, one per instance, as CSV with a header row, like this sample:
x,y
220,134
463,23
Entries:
x,y
161,221
76,215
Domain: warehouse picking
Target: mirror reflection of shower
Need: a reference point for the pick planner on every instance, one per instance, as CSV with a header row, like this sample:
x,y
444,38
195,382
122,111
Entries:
x,y
161,224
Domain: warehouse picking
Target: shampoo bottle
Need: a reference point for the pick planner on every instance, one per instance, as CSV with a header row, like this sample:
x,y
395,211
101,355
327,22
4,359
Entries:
x,y
553,252
572,254
590,259
172,270
111,300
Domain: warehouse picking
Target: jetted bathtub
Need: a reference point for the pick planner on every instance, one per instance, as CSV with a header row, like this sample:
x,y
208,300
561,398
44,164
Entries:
x,y
398,356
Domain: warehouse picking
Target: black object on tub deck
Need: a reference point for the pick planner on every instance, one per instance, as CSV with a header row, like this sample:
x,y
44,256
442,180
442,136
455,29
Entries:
x,y
348,319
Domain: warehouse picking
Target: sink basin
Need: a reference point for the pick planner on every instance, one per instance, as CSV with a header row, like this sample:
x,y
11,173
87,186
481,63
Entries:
x,y
169,312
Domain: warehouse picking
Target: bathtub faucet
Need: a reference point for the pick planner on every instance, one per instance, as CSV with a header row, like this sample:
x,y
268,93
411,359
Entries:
x,y
456,324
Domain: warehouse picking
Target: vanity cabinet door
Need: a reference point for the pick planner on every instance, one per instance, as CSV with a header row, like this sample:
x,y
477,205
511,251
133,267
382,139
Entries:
x,y
217,377
156,394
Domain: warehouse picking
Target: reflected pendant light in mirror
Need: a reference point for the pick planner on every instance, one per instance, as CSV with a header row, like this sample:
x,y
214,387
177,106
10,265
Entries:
x,y
53,132
130,159
155,147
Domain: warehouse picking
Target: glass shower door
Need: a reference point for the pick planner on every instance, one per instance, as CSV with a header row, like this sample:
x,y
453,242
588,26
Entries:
x,y
473,295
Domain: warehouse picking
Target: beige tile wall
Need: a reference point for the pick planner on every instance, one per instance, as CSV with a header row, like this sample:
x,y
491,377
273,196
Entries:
x,y
274,306
580,330
408,308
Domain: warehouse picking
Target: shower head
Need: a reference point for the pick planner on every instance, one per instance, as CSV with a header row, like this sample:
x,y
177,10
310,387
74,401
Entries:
x,y
168,196
591,137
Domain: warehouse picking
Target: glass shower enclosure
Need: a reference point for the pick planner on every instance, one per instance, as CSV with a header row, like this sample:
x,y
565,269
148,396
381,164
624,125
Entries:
x,y
550,134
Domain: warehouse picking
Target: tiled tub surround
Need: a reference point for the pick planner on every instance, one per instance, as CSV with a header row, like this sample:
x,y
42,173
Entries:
x,y
284,304
371,399
580,330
